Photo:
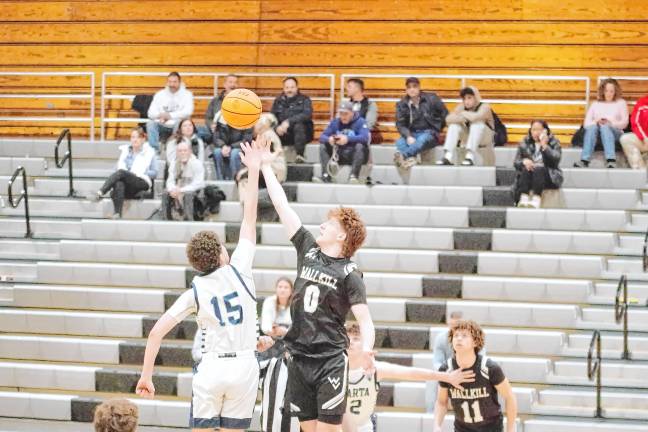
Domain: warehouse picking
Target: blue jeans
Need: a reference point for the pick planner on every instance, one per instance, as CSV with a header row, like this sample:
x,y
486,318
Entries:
x,y
609,136
154,130
227,167
424,139
204,133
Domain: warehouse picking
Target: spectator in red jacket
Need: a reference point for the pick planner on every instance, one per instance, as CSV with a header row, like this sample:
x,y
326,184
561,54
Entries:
x,y
636,142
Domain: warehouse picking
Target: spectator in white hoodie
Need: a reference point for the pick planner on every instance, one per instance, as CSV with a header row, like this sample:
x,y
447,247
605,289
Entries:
x,y
170,105
186,180
136,170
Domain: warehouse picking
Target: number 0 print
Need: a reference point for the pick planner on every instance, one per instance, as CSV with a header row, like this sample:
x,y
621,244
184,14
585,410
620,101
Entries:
x,y
466,413
311,298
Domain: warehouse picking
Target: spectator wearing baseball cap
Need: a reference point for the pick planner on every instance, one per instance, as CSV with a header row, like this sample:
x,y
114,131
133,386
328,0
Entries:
x,y
420,117
346,142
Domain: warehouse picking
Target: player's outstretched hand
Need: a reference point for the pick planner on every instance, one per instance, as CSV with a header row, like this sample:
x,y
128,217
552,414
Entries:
x,y
264,144
145,388
458,376
251,156
264,343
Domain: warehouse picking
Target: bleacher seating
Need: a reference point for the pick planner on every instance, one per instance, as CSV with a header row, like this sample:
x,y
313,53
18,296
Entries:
x,y
84,293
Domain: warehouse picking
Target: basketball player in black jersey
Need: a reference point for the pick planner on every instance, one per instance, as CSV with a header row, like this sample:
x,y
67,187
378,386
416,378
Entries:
x,y
327,286
476,407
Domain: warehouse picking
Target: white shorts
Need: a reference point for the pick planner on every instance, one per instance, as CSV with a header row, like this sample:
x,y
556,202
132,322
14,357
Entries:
x,y
225,391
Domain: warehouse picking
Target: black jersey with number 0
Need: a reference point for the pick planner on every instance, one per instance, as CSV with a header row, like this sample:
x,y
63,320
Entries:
x,y
325,290
476,407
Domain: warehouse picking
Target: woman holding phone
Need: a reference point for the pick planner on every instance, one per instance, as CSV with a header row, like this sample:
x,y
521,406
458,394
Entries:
x,y
536,162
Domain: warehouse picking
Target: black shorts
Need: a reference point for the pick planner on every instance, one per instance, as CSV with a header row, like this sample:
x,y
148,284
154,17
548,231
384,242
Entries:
x,y
496,425
317,388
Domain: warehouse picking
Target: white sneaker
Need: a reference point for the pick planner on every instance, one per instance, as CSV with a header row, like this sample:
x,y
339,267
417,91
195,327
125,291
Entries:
x,y
524,201
536,201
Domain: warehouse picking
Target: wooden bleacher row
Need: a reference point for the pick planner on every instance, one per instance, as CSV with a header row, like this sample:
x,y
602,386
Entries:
x,y
285,10
386,89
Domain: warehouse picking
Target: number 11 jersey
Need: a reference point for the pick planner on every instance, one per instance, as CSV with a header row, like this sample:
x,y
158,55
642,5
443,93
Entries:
x,y
325,290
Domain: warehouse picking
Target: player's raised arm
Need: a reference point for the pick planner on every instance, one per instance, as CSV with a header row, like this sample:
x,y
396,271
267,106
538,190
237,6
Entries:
x,y
397,372
506,391
288,216
440,409
251,156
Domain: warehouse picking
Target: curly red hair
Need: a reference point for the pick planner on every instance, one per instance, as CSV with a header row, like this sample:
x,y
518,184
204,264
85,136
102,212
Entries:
x,y
203,251
116,415
355,230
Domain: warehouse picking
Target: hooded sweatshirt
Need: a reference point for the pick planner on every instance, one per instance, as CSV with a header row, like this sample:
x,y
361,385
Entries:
x,y
179,105
481,112
356,131
639,118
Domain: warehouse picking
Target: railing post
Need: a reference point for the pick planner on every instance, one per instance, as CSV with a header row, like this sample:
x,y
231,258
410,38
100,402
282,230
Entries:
x,y
594,368
621,313
67,158
24,194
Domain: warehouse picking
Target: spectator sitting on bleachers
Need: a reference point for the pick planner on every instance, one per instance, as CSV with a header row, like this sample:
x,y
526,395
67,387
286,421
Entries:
x,y
169,106
275,315
116,415
420,117
607,117
265,126
206,132
186,180
186,133
442,351
136,171
470,124
537,164
227,152
294,112
636,142
367,108
345,141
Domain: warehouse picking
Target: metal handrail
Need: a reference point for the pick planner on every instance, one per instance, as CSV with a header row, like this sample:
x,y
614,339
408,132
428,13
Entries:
x,y
645,252
594,368
24,194
66,158
621,313
89,96
463,79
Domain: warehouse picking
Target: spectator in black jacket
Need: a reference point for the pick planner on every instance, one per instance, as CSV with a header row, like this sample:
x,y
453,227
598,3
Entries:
x,y
537,165
420,117
206,132
294,111
227,152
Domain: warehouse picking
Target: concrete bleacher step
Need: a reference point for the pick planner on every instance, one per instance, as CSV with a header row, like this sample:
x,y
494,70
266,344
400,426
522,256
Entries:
x,y
30,425
613,374
70,407
546,315
82,149
567,424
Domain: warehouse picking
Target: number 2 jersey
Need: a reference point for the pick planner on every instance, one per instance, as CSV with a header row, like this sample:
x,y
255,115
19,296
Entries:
x,y
476,407
325,290
362,396
224,304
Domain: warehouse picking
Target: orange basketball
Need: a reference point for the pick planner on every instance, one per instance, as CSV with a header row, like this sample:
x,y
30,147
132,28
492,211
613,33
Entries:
x,y
241,108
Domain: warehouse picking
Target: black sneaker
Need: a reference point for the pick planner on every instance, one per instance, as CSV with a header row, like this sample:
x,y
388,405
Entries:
x,y
611,163
581,164
444,161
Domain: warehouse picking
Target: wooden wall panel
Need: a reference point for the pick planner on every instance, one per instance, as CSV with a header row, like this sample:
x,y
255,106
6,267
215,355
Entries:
x,y
517,37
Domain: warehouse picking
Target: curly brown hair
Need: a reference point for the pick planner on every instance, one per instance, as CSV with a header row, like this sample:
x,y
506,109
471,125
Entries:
x,y
353,227
203,251
473,328
116,415
601,89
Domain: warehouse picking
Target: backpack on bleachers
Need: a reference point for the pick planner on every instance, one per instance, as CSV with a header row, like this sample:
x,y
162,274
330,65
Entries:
x,y
501,135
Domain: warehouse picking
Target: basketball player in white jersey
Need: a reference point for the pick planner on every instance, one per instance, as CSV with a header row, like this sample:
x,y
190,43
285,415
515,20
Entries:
x,y
223,298
363,389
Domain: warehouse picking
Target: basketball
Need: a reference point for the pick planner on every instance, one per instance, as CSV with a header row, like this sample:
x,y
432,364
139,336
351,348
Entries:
x,y
241,108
